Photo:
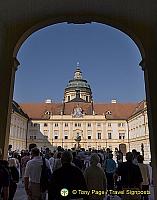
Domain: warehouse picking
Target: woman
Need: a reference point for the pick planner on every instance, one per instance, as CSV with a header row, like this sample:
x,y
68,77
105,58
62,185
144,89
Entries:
x,y
14,174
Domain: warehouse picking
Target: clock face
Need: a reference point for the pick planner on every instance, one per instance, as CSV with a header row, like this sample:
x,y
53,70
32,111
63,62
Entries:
x,y
77,112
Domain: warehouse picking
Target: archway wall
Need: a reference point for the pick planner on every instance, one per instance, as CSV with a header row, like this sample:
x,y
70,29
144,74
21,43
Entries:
x,y
28,16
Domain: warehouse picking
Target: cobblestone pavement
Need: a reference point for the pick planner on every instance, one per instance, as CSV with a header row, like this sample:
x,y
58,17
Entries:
x,y
21,194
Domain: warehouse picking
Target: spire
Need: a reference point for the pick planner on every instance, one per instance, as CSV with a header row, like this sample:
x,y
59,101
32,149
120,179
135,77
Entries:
x,y
78,73
78,64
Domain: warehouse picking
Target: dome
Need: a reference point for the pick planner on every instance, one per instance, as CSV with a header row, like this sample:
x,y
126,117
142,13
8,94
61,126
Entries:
x,y
78,82
78,88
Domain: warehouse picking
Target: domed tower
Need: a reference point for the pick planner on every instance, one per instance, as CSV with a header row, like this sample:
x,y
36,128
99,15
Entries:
x,y
78,89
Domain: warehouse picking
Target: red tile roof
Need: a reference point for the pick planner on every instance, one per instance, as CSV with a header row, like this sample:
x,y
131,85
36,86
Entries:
x,y
118,110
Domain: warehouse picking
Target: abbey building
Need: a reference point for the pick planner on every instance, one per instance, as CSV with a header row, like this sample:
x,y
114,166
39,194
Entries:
x,y
98,125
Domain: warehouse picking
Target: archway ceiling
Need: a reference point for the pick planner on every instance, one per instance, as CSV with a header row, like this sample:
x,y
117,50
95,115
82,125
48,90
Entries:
x,y
132,17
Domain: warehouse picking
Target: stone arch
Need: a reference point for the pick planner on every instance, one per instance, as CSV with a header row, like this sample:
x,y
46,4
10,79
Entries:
x,y
19,19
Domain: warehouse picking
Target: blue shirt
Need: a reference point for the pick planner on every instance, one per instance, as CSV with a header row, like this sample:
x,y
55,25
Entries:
x,y
110,166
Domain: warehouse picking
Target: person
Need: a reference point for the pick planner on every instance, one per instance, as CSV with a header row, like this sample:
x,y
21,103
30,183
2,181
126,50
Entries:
x,y
51,161
24,160
4,178
57,161
14,174
69,177
47,153
119,157
131,177
95,178
77,161
134,153
100,164
17,158
110,169
33,174
145,175
107,153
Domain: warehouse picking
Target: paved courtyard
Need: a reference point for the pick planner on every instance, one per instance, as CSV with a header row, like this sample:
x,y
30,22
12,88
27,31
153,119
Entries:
x,y
21,195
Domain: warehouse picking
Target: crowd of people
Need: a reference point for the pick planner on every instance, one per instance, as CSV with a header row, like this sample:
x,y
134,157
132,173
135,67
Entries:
x,y
75,174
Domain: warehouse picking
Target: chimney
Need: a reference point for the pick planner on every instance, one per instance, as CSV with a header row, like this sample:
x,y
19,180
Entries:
x,y
48,101
113,101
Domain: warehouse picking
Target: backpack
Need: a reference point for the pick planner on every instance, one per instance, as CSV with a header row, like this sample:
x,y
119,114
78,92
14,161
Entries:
x,y
45,177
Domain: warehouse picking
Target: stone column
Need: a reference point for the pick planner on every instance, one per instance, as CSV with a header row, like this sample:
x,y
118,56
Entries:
x,y
149,65
7,74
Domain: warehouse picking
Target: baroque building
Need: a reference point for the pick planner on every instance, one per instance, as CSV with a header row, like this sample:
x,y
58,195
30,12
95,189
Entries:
x,y
98,125
18,128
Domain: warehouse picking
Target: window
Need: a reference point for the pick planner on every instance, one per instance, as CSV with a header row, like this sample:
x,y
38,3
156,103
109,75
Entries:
x,y
56,124
89,124
86,98
35,137
99,124
66,124
68,98
89,137
109,124
56,137
45,124
79,124
99,136
121,136
120,124
65,137
109,136
31,137
56,134
75,124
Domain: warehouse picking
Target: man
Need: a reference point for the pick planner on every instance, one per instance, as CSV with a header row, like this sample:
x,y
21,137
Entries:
x,y
110,169
33,174
131,177
77,161
145,175
95,178
24,160
68,177
4,178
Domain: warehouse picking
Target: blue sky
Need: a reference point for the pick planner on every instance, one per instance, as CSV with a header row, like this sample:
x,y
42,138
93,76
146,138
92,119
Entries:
x,y
108,58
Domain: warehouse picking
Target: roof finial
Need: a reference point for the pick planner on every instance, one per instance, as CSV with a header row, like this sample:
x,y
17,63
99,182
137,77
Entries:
x,y
78,65
78,73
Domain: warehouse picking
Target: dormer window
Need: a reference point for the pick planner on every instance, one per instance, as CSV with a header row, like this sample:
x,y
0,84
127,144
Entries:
x,y
45,124
108,112
47,113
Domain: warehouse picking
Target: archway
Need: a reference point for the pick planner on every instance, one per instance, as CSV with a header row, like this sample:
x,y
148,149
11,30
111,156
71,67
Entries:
x,y
124,16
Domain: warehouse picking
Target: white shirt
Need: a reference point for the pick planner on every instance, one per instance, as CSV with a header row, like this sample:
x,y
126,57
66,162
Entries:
x,y
145,173
33,169
51,161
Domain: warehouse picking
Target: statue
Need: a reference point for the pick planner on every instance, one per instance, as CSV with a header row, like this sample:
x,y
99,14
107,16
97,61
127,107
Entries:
x,y
77,112
78,139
